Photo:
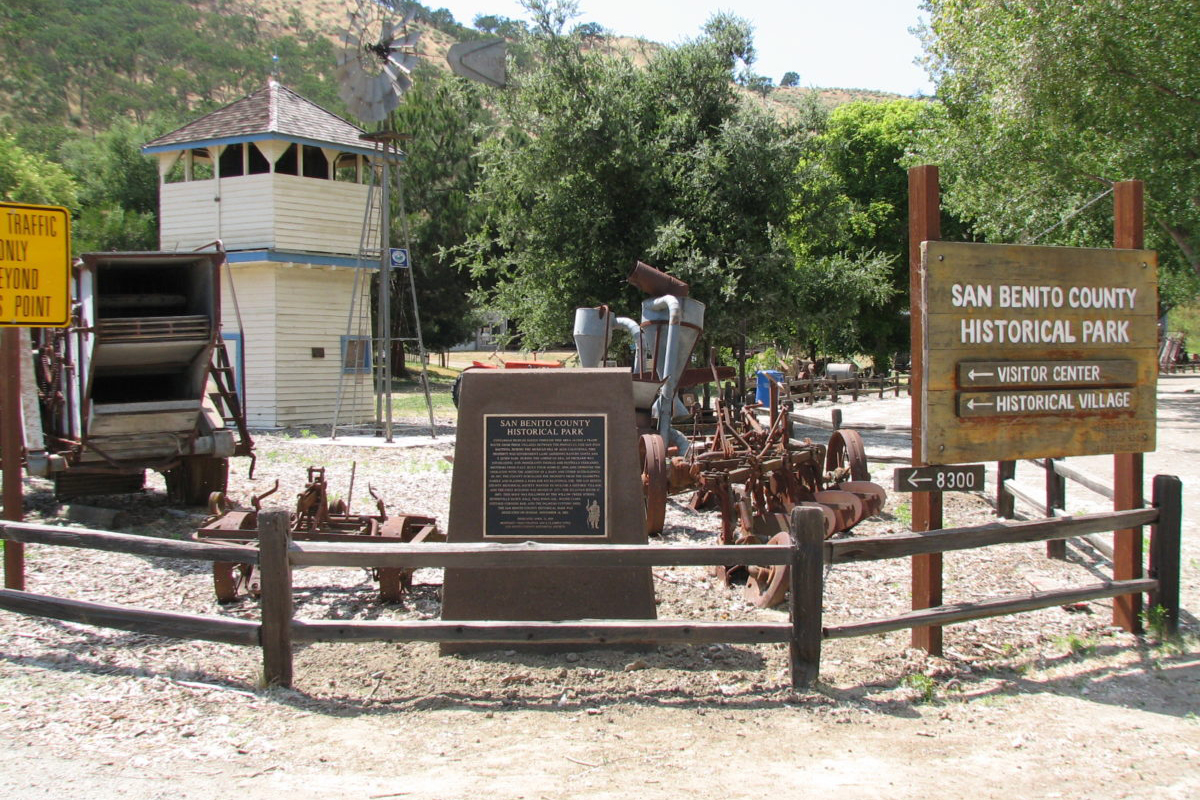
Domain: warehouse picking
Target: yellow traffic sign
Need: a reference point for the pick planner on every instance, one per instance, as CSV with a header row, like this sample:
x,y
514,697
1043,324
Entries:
x,y
35,266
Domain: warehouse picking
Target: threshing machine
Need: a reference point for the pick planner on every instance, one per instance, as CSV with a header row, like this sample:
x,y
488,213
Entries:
x,y
140,379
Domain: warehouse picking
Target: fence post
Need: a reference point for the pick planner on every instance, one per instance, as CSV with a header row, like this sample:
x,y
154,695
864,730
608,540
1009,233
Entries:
x,y
807,590
1056,498
1165,541
1005,502
275,571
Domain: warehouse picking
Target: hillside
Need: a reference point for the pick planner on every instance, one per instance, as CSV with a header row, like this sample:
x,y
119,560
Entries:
x,y
330,18
166,61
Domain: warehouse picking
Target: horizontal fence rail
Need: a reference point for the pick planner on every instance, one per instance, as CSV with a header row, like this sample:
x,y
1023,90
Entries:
x,y
31,533
1004,532
533,554
806,557
129,618
525,632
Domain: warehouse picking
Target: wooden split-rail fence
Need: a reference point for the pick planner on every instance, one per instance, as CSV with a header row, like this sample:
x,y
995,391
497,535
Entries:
x,y
278,630
811,390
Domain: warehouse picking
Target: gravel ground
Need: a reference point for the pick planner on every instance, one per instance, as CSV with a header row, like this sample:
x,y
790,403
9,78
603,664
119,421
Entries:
x,y
107,713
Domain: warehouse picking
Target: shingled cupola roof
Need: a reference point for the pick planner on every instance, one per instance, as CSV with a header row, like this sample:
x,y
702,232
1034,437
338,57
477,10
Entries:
x,y
274,112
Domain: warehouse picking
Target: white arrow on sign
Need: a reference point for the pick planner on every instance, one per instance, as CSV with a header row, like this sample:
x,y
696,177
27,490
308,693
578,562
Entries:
x,y
973,374
973,402
913,480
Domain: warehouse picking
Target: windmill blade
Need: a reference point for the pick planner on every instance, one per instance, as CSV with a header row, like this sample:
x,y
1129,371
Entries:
x,y
409,16
387,34
400,80
409,40
400,65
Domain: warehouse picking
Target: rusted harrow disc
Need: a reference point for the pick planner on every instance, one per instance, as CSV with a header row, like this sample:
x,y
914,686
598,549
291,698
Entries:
x,y
847,507
653,452
872,495
767,586
846,450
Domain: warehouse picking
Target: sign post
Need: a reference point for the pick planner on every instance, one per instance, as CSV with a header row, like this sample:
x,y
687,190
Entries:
x,y
35,281
924,224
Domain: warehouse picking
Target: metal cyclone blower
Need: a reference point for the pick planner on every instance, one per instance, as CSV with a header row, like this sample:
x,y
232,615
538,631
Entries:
x,y
671,326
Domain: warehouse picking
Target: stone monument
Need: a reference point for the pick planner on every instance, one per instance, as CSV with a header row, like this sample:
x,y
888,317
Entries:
x,y
547,455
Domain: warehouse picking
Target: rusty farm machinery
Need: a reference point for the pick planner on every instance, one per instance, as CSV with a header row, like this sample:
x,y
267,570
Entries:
x,y
753,473
315,519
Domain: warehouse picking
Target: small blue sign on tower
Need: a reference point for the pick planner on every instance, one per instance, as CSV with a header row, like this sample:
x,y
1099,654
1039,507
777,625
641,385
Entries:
x,y
399,257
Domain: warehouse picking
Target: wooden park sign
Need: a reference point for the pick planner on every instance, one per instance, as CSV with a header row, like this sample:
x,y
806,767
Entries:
x,y
1035,352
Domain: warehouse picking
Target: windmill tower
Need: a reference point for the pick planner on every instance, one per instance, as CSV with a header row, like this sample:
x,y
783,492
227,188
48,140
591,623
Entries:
x,y
374,71
374,68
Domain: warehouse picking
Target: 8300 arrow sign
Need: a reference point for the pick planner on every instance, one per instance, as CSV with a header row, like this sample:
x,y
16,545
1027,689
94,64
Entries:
x,y
943,478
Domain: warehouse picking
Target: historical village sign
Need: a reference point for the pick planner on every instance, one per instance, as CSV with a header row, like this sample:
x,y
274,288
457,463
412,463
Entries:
x,y
35,266
1037,351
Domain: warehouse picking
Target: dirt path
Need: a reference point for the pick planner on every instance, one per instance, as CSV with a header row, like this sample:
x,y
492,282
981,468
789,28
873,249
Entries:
x,y
1049,704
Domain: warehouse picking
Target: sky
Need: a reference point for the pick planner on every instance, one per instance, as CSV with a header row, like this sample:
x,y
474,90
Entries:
x,y
847,44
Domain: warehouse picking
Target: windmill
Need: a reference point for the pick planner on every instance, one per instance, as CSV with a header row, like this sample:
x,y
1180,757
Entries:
x,y
376,60
374,67
374,70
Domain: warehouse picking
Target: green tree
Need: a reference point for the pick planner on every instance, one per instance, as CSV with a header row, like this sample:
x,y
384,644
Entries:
x,y
26,177
790,79
1049,102
447,121
850,219
603,163
118,194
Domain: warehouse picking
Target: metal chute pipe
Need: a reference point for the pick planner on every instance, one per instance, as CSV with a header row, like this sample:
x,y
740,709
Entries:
x,y
669,370
656,282
635,332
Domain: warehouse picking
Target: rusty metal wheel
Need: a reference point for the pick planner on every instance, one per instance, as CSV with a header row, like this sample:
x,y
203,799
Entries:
x,y
653,452
767,586
847,453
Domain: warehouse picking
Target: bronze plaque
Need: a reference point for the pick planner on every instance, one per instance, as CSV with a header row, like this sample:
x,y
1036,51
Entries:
x,y
545,475
1037,352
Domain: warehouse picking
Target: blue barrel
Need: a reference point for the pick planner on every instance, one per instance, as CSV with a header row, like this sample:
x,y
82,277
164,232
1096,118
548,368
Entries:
x,y
762,393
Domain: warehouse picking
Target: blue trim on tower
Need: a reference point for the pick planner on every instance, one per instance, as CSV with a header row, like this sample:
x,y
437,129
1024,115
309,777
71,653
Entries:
x,y
285,257
262,137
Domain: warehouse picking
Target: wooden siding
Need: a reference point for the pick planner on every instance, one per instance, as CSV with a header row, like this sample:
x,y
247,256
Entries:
x,y
282,212
316,216
187,215
312,309
255,285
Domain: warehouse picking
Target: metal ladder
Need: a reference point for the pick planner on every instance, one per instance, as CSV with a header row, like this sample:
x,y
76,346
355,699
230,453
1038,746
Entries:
x,y
372,250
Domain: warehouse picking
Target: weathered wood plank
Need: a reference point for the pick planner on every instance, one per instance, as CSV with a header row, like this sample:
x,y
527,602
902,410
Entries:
x,y
1165,555
108,541
961,612
277,601
924,229
596,632
806,592
1011,488
529,554
1083,480
940,541
129,618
